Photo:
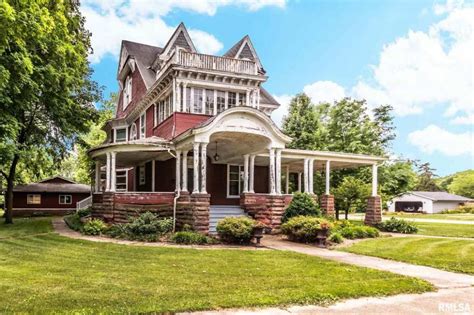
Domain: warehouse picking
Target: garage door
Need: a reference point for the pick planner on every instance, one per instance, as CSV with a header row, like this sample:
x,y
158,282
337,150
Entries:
x,y
409,206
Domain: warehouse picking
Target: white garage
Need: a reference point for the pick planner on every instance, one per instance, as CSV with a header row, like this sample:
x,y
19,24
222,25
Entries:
x,y
426,201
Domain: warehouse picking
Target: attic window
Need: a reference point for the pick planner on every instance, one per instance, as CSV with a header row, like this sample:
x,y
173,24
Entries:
x,y
127,92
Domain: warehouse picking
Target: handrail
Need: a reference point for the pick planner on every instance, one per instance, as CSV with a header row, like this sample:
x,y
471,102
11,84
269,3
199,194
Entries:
x,y
84,203
209,62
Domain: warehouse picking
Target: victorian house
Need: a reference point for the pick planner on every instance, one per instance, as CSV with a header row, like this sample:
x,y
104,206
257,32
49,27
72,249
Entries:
x,y
193,139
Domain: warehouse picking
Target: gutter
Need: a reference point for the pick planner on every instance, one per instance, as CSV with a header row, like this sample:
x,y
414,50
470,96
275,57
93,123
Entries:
x,y
175,199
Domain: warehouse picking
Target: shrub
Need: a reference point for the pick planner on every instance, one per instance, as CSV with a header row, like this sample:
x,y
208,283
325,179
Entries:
x,y
304,228
94,227
236,230
336,237
358,231
461,209
188,237
74,222
146,227
84,212
398,226
302,204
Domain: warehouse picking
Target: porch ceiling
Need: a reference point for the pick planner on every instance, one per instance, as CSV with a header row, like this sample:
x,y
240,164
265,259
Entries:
x,y
128,159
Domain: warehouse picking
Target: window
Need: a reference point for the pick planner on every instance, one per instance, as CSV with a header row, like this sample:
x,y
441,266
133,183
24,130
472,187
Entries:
x,y
133,132
220,101
234,180
209,102
141,175
242,99
187,103
65,199
33,199
231,99
197,104
121,181
127,92
121,135
142,126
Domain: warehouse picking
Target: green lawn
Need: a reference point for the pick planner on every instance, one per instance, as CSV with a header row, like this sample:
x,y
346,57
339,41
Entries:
x,y
51,273
452,255
24,227
437,216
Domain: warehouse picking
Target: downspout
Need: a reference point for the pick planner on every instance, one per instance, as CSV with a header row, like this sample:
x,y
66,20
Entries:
x,y
175,199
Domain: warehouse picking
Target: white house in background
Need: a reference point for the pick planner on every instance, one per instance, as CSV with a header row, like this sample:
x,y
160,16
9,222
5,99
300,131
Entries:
x,y
426,201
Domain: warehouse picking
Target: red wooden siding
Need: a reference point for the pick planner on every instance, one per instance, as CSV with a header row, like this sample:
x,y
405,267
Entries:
x,y
178,123
138,90
48,200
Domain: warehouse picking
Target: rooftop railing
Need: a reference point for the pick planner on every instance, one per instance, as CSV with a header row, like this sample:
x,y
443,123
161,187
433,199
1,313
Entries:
x,y
209,62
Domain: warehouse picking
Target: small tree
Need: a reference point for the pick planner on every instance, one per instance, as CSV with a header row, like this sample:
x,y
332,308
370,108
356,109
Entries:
x,y
301,204
351,195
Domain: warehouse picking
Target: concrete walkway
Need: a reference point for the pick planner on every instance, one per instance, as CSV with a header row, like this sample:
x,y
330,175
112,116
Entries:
x,y
446,301
439,278
446,221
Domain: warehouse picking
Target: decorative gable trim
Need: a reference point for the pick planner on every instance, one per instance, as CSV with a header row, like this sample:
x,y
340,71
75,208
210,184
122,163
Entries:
x,y
179,33
245,47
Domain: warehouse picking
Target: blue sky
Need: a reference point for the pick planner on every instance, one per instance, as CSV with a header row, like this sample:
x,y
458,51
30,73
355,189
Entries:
x,y
415,55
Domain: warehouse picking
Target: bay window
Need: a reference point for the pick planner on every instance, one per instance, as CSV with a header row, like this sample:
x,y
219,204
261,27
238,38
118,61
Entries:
x,y
231,99
197,101
209,110
220,101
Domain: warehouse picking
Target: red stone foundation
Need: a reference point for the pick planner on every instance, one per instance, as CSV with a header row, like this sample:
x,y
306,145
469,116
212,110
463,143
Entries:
x,y
265,208
327,205
373,213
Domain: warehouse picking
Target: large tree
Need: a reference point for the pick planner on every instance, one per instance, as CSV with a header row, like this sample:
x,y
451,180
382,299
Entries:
x,y
426,178
46,91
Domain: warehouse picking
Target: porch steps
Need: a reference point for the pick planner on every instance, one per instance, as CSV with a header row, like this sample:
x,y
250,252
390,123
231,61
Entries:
x,y
217,213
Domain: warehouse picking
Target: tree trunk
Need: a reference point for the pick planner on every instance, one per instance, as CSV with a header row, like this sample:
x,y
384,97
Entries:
x,y
337,213
9,194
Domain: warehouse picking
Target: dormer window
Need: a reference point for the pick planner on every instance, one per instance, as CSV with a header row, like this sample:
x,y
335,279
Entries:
x,y
120,134
142,126
127,92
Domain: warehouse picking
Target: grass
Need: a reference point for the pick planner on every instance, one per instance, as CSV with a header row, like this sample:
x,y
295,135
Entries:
x,y
24,227
452,255
56,274
437,216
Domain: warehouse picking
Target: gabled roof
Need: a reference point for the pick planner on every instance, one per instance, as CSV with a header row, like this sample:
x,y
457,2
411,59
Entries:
x,y
244,49
180,38
144,55
439,196
56,184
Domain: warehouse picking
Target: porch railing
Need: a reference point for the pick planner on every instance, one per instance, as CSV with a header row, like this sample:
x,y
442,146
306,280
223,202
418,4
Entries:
x,y
209,62
84,203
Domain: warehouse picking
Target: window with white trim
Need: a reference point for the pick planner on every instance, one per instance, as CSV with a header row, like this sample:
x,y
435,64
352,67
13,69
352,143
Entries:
x,y
141,175
121,181
242,99
209,104
65,199
33,199
133,132
231,99
127,92
220,101
235,175
142,125
197,102
120,135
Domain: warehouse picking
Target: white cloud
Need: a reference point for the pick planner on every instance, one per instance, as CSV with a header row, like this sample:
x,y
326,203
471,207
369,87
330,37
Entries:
x,y
110,21
463,120
324,91
282,111
434,139
431,69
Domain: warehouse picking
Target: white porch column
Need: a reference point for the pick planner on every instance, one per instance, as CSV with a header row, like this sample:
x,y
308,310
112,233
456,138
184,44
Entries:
x,y
328,175
196,167
287,184
178,96
178,170
278,171
299,181
107,173
97,176
184,180
203,167
271,167
311,176
174,96
113,171
305,175
374,179
246,174
153,167
252,172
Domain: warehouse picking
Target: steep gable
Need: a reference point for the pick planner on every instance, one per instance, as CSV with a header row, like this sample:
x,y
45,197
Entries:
x,y
179,38
244,49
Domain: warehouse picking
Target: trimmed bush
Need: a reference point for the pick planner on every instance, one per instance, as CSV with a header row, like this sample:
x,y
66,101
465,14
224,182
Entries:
x,y
236,230
461,209
304,228
94,227
146,227
188,238
74,222
302,204
84,212
336,238
358,231
398,226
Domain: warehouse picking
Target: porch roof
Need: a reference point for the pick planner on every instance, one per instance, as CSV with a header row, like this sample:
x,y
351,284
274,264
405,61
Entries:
x,y
152,144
